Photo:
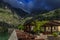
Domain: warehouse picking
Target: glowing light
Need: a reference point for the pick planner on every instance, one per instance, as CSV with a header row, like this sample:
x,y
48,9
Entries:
x,y
21,2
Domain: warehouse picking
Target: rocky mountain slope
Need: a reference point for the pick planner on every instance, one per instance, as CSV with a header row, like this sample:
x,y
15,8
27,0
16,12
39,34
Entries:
x,y
7,15
12,15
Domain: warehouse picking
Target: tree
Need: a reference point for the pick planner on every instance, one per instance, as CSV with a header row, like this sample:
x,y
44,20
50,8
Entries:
x,y
21,27
39,24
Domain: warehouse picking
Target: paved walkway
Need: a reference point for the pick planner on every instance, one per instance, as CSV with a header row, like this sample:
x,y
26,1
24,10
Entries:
x,y
13,36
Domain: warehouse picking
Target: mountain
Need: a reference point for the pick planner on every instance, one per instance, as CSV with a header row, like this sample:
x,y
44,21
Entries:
x,y
17,16
7,15
11,15
51,15
34,5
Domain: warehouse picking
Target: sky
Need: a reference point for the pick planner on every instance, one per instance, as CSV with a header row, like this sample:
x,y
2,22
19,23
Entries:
x,y
29,5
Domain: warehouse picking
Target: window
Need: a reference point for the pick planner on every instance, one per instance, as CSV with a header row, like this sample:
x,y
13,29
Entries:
x,y
54,28
48,28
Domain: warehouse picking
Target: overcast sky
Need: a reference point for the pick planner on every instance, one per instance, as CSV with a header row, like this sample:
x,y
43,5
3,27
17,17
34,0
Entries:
x,y
27,5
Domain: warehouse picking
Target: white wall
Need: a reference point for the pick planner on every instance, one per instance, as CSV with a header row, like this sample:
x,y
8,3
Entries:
x,y
13,36
58,28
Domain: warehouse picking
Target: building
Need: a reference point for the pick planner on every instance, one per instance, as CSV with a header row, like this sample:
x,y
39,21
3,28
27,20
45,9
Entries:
x,y
51,26
29,26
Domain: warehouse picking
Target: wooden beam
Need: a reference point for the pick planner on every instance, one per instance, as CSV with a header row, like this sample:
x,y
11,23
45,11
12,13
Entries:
x,y
44,29
51,29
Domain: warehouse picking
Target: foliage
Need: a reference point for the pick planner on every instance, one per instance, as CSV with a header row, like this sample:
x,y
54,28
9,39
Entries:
x,y
3,29
54,15
39,25
21,27
55,34
7,16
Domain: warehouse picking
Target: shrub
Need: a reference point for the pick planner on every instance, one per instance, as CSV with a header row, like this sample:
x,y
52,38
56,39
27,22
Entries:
x,y
3,29
55,34
39,24
21,27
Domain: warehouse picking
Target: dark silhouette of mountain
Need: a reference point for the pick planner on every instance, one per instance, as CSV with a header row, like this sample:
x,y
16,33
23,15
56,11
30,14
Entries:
x,y
34,5
18,11
51,15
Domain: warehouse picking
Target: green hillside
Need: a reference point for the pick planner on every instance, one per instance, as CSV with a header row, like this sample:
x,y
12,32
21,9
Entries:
x,y
7,16
51,15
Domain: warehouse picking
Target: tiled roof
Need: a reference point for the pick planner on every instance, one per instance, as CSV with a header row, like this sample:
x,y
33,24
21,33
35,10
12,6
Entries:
x,y
52,23
23,35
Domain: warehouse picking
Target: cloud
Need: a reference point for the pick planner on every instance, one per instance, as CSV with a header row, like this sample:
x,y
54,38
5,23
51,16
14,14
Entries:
x,y
28,5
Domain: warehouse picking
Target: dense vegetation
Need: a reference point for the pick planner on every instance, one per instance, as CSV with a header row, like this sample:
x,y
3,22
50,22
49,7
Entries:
x,y
54,15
